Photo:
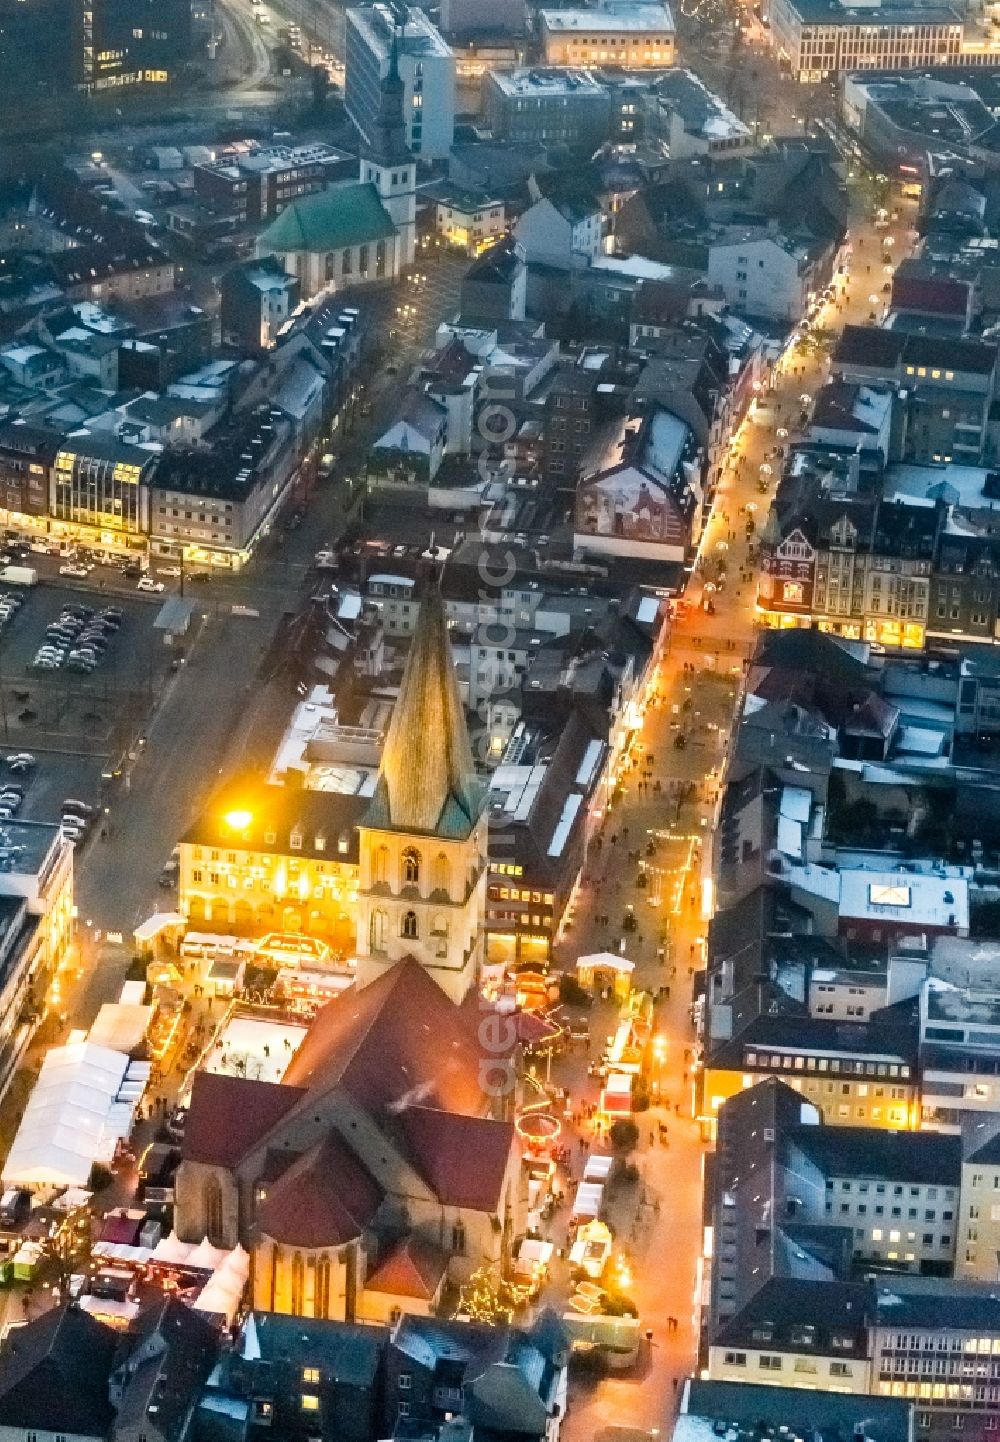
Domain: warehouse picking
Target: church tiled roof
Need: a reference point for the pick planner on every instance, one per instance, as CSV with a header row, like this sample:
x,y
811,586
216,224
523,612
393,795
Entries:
x,y
342,215
325,1199
392,1043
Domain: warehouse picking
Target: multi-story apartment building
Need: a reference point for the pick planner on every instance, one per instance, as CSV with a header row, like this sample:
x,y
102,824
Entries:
x,y
865,1075
426,67
99,491
820,38
562,106
949,388
255,184
26,456
100,45
859,1194
938,1343
636,36
209,502
764,273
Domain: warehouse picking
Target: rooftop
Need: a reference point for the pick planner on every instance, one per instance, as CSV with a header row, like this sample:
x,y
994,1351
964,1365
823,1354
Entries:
x,y
343,215
636,18
742,1412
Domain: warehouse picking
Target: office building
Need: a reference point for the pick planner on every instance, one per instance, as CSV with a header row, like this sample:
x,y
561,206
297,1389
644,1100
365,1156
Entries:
x,y
426,66
552,106
820,38
637,36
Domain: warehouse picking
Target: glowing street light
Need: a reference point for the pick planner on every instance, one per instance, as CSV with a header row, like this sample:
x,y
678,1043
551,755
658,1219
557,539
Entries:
x,y
238,819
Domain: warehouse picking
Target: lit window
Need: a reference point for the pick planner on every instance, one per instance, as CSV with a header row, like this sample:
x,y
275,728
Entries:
x,y
310,1402
310,1374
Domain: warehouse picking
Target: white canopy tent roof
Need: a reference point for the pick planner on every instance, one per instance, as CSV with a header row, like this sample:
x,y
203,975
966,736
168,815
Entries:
x,y
604,961
73,1118
120,1026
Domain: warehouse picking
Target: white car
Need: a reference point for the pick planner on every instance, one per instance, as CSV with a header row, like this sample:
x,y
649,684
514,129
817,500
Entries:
x,y
148,584
168,571
80,572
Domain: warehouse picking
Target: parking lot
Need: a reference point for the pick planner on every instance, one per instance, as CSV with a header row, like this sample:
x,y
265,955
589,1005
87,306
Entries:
x,y
86,708
56,777
134,654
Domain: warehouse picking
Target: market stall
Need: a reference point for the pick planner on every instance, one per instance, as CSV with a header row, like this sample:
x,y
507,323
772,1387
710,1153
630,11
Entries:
x,y
588,1199
605,968
76,1116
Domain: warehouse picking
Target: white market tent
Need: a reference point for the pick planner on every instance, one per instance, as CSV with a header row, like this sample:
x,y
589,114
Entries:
x,y
171,1251
223,1292
73,1118
598,1168
205,1257
587,1202
604,961
120,1026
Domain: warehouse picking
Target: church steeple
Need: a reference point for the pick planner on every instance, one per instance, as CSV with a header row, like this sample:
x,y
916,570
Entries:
x,y
427,781
387,161
423,841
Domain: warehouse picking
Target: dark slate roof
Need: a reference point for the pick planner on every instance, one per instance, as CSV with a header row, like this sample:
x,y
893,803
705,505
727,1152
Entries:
x,y
350,1353
955,355
868,345
164,1386
803,1315
938,1303
54,1375
744,1412
278,812
931,1158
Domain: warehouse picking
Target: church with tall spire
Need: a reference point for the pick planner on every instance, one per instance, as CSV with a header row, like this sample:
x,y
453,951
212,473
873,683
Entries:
x,y
388,164
423,842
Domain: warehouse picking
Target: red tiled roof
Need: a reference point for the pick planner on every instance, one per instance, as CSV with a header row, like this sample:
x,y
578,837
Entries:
x,y
661,301
411,1269
930,294
397,1040
229,1114
462,1159
119,1227
325,1200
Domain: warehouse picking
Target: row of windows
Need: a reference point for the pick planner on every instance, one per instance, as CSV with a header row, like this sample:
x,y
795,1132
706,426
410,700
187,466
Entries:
x,y
832,1064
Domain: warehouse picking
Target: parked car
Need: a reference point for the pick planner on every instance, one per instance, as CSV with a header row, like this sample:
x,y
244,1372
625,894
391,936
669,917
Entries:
x,y
148,584
72,569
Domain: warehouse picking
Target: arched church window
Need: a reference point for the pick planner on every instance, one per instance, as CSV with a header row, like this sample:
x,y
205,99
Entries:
x,y
323,1286
298,1285
346,263
411,866
442,872
376,930
213,1211
330,266
380,865
409,926
380,258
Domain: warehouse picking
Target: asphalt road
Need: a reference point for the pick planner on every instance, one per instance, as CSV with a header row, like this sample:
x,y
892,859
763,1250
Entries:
x,y
206,723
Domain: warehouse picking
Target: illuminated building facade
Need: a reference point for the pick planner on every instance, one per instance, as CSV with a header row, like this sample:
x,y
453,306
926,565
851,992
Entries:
x,y
636,36
819,38
273,858
99,488
98,45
